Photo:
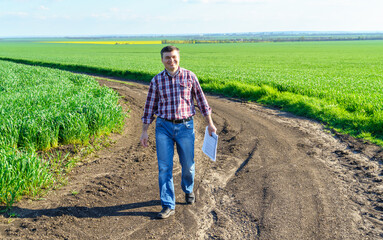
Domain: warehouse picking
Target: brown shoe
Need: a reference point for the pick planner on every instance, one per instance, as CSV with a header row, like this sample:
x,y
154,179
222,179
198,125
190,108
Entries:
x,y
166,212
189,198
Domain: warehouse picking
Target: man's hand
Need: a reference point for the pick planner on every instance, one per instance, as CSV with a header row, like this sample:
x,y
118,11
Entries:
x,y
211,128
144,139
210,125
144,136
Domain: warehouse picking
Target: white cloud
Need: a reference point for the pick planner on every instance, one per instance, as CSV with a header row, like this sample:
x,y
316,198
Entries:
x,y
15,14
41,17
42,7
19,0
101,15
224,1
281,2
114,13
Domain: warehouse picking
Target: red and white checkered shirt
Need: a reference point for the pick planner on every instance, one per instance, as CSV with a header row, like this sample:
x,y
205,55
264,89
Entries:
x,y
172,97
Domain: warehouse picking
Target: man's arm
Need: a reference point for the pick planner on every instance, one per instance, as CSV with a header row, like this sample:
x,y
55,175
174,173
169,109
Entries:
x,y
150,108
203,105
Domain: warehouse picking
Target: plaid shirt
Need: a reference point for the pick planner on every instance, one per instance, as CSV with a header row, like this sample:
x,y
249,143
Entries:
x,y
172,97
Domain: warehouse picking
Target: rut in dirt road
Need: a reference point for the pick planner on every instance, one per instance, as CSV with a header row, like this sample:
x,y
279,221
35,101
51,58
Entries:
x,y
277,176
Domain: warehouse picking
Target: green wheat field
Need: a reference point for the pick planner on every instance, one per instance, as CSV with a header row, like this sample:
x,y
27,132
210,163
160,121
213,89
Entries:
x,y
41,108
339,83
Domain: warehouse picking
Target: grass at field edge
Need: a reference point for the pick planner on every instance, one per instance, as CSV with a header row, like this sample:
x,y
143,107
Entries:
x,y
332,116
45,110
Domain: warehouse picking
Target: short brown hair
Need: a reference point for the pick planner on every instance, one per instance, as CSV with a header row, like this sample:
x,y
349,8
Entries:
x,y
169,49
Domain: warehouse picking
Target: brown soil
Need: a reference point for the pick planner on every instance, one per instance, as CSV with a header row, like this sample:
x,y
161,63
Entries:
x,y
277,176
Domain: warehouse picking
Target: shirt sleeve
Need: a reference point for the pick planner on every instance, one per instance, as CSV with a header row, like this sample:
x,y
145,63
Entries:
x,y
151,104
200,97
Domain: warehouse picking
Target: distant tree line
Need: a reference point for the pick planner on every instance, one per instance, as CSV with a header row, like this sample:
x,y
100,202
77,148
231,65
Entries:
x,y
276,39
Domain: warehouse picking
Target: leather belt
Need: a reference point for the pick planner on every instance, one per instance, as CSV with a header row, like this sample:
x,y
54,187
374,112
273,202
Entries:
x,y
179,120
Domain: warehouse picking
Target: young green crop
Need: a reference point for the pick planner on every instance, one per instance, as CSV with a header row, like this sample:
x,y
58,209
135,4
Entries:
x,y
41,108
339,83
22,173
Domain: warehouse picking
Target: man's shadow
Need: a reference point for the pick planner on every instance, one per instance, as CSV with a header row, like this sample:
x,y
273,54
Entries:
x,y
87,212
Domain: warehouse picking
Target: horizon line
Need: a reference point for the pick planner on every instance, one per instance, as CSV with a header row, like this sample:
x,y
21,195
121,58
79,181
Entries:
x,y
193,34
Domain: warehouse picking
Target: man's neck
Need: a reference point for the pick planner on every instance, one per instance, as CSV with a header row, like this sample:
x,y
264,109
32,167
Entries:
x,y
172,73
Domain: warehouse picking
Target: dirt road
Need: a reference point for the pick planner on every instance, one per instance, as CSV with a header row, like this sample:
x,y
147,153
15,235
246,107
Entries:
x,y
277,176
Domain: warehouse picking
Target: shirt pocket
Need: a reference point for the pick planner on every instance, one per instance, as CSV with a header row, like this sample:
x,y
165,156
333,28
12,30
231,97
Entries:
x,y
185,89
162,93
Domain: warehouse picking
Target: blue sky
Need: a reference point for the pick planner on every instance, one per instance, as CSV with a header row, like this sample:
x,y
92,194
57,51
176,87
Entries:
x,y
126,17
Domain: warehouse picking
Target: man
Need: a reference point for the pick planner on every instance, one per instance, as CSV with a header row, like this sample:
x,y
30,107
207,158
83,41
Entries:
x,y
170,97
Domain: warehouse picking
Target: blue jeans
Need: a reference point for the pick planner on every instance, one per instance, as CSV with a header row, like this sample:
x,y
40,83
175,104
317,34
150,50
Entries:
x,y
182,134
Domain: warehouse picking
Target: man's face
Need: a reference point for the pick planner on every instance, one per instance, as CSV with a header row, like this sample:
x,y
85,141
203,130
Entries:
x,y
171,60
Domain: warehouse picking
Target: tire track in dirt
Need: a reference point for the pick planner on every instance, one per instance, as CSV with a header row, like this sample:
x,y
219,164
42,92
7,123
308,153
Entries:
x,y
277,176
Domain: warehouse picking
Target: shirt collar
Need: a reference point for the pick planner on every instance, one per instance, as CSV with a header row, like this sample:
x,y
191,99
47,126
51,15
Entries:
x,y
176,73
